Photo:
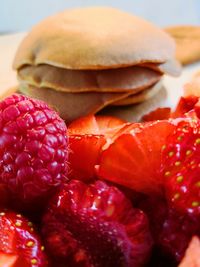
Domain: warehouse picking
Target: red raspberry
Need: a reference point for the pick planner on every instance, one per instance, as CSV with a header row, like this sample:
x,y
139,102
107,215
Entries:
x,y
33,148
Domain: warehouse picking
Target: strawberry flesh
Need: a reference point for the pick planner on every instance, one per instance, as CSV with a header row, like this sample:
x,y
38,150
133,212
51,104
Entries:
x,y
103,125
87,136
157,114
184,105
96,225
84,155
18,237
134,158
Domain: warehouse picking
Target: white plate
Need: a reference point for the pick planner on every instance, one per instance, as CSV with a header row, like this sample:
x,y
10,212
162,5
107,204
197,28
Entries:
x,y
168,97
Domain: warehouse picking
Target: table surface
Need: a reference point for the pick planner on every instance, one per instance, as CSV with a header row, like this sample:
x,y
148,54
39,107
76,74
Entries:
x,y
168,97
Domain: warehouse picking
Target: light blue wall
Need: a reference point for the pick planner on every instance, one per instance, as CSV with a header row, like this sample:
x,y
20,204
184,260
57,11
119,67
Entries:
x,y
19,15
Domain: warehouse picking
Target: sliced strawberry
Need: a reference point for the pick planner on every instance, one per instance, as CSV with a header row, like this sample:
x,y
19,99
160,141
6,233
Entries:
x,y
103,125
18,237
157,114
134,159
84,125
96,225
11,260
191,258
184,105
87,136
109,126
181,167
84,155
8,260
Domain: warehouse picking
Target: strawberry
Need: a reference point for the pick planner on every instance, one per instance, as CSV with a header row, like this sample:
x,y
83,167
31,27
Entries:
x,y
87,136
157,114
181,167
97,125
8,260
191,258
134,159
171,231
84,155
96,225
19,243
33,149
184,105
11,260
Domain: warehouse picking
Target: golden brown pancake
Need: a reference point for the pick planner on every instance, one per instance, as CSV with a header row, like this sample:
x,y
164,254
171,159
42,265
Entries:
x,y
171,67
114,80
187,41
139,97
94,38
71,106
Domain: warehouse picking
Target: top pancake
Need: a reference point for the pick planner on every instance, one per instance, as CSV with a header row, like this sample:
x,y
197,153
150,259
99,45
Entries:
x,y
94,38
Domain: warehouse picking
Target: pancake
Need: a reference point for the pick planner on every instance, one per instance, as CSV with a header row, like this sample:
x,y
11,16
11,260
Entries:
x,y
70,105
171,67
94,38
114,80
139,97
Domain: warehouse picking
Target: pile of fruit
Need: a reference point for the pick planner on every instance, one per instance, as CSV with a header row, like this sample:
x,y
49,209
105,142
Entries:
x,y
99,192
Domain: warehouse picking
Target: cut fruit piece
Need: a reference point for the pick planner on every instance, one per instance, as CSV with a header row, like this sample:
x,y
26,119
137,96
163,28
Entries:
x,y
18,237
84,155
105,125
134,159
87,136
157,114
8,260
12,260
184,105
96,225
84,125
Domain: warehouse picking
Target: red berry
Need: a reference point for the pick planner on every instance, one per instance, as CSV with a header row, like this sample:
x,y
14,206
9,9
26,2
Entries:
x,y
33,148
157,211
18,238
181,167
84,155
185,105
176,233
134,158
103,125
9,260
87,136
96,225
157,114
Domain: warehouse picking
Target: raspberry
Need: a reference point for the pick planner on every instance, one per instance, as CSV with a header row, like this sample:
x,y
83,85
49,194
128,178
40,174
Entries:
x,y
33,148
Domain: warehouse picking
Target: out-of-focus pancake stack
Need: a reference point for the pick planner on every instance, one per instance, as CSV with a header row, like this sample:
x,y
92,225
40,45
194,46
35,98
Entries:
x,y
82,60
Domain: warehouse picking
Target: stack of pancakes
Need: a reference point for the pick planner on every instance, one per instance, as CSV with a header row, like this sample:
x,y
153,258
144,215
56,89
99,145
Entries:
x,y
82,60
